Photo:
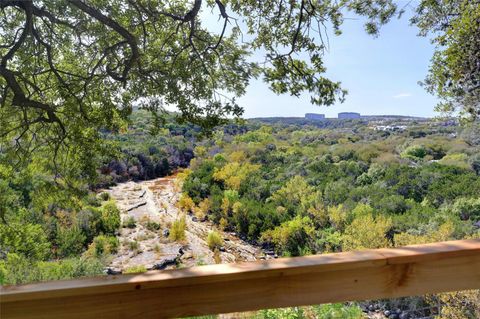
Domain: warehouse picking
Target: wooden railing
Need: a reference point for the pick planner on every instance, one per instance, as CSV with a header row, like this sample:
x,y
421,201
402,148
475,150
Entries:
x,y
369,274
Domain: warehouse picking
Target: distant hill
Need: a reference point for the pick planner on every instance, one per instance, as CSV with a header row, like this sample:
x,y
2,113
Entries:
x,y
335,122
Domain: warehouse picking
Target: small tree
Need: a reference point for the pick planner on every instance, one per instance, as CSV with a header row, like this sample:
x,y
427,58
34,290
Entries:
x,y
70,241
367,232
293,237
214,240
415,152
186,204
177,231
102,246
110,217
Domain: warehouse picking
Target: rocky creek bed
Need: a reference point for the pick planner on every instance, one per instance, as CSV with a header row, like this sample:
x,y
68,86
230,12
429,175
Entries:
x,y
149,208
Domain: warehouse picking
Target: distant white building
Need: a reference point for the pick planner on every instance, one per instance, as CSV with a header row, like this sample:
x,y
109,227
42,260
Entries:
x,y
314,116
390,128
348,115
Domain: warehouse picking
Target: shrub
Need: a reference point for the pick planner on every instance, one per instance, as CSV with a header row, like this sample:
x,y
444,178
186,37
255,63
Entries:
x,y
456,159
28,240
475,163
460,304
203,208
103,245
135,269
177,231
414,152
292,237
110,217
467,209
186,204
130,222
214,240
157,249
70,241
133,245
16,269
367,232
105,196
152,226
89,220
216,256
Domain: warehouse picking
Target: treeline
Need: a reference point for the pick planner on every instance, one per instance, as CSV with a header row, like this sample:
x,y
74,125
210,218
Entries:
x,y
146,154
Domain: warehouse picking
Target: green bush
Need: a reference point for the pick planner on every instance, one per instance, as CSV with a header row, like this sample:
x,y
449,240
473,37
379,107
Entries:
x,y
135,269
70,241
102,246
415,152
293,237
475,163
214,240
152,226
133,245
110,217
467,209
129,222
105,196
16,269
177,231
28,240
89,220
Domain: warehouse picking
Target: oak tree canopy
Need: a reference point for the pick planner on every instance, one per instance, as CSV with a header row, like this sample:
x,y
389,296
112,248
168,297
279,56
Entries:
x,y
70,68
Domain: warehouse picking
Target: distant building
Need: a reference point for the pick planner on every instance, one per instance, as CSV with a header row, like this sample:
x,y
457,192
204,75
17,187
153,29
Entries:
x,y
315,116
390,128
349,115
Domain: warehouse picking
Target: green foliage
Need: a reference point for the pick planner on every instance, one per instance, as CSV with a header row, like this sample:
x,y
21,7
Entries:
x,y
234,174
152,226
367,232
135,269
110,217
16,269
456,159
292,237
475,163
415,152
351,200
105,196
327,311
70,241
453,74
103,246
214,240
177,231
140,69
89,220
129,222
28,240
294,196
467,209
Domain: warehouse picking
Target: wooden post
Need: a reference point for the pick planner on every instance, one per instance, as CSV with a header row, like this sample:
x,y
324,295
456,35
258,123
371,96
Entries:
x,y
368,274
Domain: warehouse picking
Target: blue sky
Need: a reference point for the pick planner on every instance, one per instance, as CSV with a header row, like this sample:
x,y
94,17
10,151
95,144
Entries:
x,y
381,75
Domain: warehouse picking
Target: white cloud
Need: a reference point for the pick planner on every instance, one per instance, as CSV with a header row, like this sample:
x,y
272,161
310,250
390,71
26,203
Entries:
x,y
402,95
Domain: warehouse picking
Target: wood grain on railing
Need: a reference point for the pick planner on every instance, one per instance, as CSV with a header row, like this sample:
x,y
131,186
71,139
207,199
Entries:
x,y
368,274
